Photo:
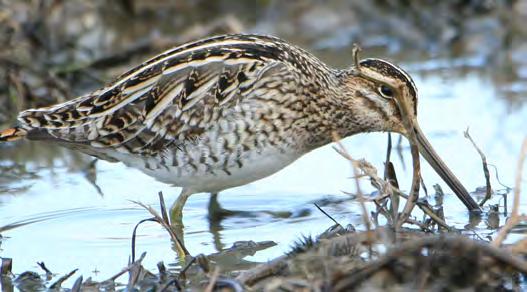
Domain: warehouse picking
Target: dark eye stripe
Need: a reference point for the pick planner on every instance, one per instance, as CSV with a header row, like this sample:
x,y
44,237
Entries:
x,y
387,68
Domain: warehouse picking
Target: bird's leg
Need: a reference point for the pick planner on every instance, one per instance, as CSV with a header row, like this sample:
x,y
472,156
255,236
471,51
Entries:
x,y
176,211
216,212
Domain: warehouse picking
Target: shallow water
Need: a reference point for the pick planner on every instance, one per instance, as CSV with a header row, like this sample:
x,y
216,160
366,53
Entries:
x,y
46,196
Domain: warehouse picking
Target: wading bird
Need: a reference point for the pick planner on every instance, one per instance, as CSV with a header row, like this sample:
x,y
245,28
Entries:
x,y
228,110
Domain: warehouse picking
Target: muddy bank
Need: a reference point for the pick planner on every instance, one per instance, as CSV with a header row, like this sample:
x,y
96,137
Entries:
x,y
337,260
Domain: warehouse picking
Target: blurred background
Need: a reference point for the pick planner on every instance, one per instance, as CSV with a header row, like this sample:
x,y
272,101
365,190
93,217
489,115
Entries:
x,y
468,59
54,50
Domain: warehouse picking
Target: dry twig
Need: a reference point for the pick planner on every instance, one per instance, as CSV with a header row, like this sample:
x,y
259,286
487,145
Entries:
x,y
409,125
49,274
391,177
515,217
488,193
213,280
77,286
327,215
163,220
355,165
59,282
427,209
252,276
6,267
134,234
112,279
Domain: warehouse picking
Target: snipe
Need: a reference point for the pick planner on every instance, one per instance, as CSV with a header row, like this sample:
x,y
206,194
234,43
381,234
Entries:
x,y
228,110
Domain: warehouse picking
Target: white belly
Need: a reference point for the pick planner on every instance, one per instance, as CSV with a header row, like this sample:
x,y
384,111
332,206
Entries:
x,y
260,165
256,165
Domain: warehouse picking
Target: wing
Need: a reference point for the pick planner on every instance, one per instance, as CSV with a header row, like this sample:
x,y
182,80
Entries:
x,y
170,98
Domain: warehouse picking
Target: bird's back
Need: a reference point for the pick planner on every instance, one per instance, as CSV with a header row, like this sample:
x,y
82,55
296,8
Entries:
x,y
206,105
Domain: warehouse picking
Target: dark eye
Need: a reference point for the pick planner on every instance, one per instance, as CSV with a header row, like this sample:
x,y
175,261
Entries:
x,y
386,91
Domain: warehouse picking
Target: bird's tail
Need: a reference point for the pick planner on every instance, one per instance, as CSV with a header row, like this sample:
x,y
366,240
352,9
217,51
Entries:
x,y
12,134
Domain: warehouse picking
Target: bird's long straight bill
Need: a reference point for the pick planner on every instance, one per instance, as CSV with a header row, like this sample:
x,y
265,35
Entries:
x,y
444,172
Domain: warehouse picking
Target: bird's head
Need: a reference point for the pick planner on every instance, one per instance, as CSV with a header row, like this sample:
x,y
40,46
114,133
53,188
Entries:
x,y
386,99
378,91
388,86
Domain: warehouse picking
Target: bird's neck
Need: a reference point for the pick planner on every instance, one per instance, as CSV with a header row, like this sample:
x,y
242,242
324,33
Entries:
x,y
332,110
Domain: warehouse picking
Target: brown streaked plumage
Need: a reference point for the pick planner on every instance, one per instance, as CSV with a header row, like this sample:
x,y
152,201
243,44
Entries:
x,y
228,110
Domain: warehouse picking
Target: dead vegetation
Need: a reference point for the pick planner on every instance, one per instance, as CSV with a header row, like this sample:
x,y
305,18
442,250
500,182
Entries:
x,y
43,62
425,254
